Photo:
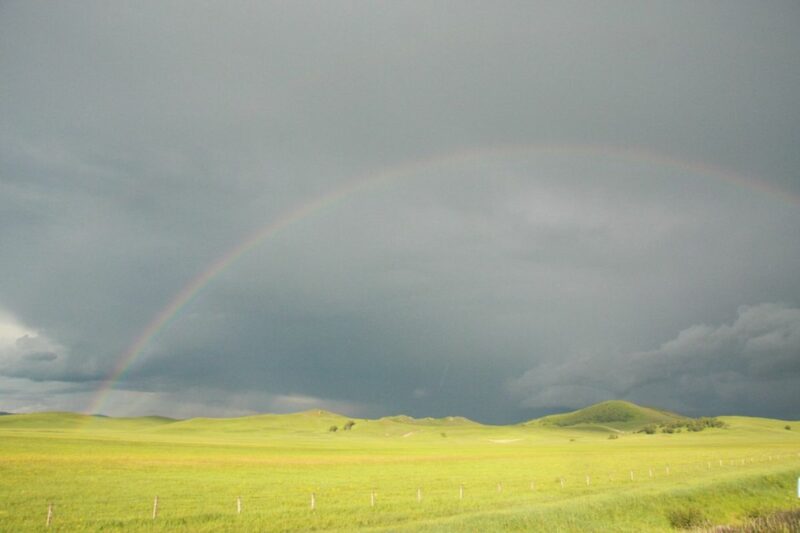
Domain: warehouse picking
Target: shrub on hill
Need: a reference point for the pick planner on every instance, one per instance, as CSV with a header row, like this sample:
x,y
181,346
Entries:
x,y
349,425
333,429
686,518
697,424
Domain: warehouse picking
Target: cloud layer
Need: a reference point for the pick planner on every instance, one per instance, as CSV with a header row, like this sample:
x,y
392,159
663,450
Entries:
x,y
658,189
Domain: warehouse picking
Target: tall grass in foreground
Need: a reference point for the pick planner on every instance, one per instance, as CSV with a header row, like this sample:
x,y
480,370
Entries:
x,y
781,521
700,507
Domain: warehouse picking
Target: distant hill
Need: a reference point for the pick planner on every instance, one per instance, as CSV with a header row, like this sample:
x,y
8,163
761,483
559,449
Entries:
x,y
428,421
313,420
613,414
66,420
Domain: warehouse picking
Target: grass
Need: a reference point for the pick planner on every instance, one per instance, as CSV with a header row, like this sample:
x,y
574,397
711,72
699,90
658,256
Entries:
x,y
102,474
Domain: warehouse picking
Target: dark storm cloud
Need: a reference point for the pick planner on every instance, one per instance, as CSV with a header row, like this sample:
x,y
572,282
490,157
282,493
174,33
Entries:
x,y
747,367
141,141
442,296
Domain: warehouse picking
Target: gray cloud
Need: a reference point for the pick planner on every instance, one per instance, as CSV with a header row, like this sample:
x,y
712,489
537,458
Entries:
x,y
141,142
35,357
41,357
740,367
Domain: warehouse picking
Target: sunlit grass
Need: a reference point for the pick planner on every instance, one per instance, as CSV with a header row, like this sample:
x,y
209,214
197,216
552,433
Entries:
x,y
103,474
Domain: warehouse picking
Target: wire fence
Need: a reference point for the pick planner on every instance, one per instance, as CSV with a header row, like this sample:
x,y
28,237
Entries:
x,y
446,496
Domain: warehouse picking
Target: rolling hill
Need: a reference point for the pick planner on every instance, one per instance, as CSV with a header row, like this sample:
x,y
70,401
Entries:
x,y
615,415
610,416
397,473
65,420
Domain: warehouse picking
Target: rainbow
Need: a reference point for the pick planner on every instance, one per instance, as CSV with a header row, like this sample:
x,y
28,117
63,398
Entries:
x,y
384,176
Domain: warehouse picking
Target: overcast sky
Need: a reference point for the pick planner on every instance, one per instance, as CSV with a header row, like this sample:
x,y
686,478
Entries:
x,y
581,201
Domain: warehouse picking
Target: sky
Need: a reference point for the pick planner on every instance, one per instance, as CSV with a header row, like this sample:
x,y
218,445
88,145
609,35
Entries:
x,y
489,209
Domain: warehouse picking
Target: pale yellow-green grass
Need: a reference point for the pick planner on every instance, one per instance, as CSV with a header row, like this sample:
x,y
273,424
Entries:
x,y
103,474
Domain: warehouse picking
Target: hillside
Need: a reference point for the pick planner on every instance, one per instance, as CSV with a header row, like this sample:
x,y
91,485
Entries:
x,y
311,421
428,421
614,414
606,416
65,420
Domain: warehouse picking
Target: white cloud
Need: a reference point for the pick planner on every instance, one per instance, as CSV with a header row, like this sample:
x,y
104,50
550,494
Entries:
x,y
11,330
22,347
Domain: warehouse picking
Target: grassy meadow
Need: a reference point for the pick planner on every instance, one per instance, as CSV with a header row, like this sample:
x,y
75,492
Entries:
x,y
395,473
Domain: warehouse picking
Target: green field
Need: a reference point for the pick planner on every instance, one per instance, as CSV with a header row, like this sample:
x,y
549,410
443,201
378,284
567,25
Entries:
x,y
102,474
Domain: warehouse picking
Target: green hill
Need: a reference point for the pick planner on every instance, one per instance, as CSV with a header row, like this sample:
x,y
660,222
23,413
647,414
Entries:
x,y
615,415
315,420
64,420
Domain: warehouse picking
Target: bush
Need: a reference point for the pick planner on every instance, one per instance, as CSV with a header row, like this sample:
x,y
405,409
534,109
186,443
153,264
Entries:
x,y
333,429
613,436
649,429
699,424
349,425
788,427
686,518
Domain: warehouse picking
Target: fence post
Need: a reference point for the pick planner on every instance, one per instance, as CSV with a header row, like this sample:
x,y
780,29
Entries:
x,y
372,499
49,514
419,494
238,505
461,492
313,501
155,507
631,475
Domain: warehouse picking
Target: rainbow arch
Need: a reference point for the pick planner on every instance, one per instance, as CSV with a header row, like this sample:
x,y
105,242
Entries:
x,y
362,183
